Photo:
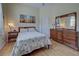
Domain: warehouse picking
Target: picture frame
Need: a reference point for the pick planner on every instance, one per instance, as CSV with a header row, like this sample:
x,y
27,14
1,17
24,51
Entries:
x,y
27,19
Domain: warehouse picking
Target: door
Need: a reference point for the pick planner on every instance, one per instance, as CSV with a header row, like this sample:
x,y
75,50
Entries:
x,y
45,25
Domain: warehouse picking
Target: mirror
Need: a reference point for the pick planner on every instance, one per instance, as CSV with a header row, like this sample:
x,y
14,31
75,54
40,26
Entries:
x,y
67,21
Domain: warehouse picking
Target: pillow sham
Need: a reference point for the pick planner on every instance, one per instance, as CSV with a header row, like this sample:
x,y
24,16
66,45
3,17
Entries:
x,y
24,30
32,30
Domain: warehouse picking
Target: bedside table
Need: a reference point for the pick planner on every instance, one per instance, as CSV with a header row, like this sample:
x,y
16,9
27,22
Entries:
x,y
12,35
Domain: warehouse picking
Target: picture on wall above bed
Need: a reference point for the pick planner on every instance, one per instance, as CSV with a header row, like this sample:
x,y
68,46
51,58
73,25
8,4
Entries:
x,y
27,19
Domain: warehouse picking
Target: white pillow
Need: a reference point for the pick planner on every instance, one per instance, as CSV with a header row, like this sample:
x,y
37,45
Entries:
x,y
32,30
24,30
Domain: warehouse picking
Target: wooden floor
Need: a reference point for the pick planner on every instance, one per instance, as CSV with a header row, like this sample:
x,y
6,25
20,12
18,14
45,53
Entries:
x,y
57,49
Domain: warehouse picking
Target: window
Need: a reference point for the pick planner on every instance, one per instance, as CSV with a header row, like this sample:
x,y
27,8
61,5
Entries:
x,y
72,21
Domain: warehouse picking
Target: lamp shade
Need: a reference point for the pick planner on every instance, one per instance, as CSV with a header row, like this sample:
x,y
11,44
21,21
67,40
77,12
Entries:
x,y
11,24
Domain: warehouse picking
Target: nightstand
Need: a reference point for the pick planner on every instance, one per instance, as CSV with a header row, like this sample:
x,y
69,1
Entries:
x,y
12,36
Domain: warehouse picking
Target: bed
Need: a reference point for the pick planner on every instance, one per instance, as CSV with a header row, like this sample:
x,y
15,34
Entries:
x,y
28,41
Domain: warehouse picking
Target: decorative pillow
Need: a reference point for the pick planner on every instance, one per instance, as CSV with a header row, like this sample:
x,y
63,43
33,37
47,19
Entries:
x,y
24,30
32,30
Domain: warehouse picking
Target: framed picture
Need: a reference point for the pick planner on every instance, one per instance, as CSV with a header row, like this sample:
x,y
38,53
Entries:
x,y
27,19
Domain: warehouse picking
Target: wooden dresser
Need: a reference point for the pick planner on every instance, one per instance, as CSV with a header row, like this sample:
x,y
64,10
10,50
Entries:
x,y
65,36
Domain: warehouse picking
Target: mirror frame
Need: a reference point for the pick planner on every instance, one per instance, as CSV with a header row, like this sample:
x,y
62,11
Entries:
x,y
65,15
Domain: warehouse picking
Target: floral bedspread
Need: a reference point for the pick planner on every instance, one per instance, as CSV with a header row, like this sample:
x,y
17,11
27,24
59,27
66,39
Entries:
x,y
26,45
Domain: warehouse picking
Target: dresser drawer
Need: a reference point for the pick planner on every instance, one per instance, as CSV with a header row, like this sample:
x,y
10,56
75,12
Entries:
x,y
69,33
73,42
71,45
59,35
69,37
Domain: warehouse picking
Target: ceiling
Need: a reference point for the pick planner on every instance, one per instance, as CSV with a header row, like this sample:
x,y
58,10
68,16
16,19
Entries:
x,y
39,5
